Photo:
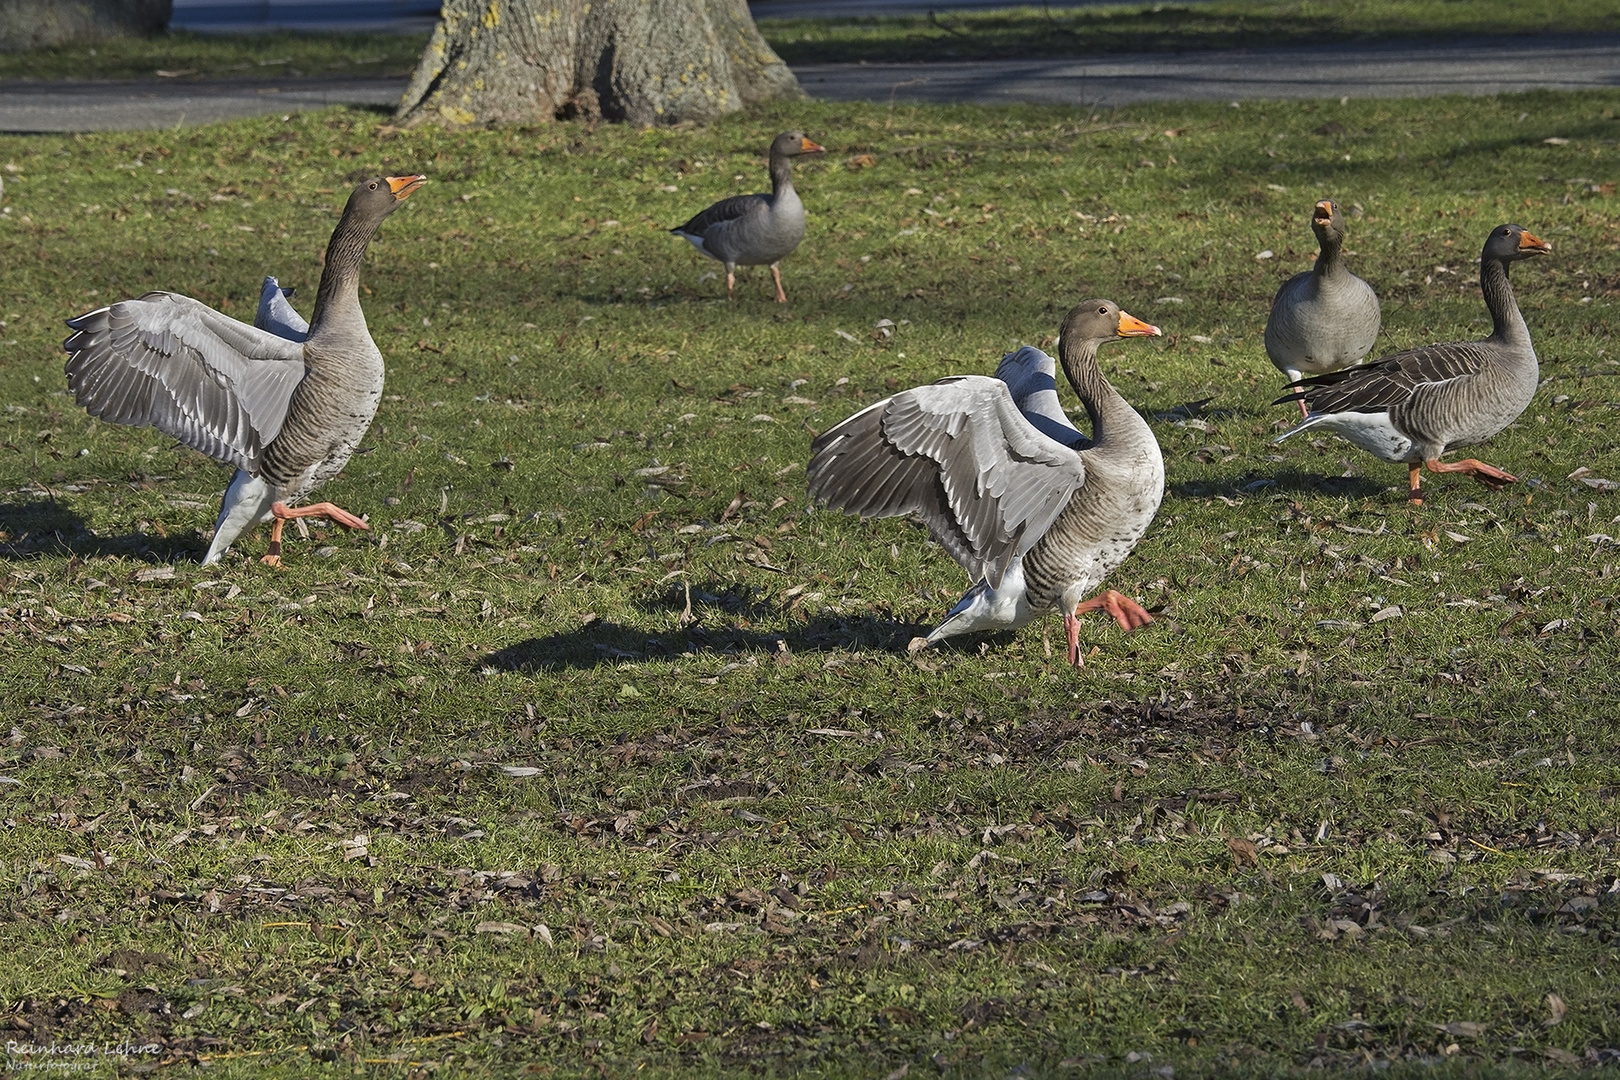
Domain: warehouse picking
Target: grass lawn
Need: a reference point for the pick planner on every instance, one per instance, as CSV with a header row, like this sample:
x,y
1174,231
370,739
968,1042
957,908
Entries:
x,y
1036,31
601,754
1027,32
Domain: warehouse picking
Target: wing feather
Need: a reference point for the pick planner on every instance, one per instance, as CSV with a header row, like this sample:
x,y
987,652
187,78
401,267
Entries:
x,y
1031,376
217,385
723,213
1390,382
277,315
959,454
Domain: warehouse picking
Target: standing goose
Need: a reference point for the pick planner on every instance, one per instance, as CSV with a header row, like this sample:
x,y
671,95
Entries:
x,y
1038,522
752,230
1411,406
287,414
1325,319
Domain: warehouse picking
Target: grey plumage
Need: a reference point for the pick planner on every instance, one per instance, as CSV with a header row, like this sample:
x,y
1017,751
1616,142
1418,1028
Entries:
x,y
1035,521
277,315
1327,318
286,413
1412,406
755,230
173,363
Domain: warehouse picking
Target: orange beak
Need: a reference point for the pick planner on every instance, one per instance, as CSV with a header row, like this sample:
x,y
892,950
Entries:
x,y
1324,211
808,147
1533,245
402,186
1131,326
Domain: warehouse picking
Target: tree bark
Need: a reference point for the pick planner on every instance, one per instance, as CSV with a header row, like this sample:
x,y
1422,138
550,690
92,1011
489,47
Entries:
x,y
642,61
39,24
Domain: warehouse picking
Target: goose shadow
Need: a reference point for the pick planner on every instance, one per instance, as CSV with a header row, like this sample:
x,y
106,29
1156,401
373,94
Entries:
x,y
1285,482
719,617
40,527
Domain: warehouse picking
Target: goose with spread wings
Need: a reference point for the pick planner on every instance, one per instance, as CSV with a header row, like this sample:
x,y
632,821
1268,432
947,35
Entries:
x,y
1035,512
286,413
1411,407
756,230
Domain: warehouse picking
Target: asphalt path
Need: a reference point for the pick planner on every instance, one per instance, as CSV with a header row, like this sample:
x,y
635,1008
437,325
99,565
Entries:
x,y
1381,69
1386,69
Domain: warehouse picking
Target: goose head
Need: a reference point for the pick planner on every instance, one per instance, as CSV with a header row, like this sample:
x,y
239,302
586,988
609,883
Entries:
x,y
1096,322
1508,243
794,144
376,198
1327,223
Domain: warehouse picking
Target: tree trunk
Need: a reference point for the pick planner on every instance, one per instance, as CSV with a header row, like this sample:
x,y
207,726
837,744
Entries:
x,y
643,61
39,24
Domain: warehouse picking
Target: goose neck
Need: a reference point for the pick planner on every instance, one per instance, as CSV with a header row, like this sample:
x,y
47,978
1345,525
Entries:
x,y
337,301
1328,262
1507,323
781,174
1102,402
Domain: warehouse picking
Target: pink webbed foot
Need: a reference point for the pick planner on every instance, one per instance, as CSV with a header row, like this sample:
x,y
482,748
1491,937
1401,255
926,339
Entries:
x,y
1127,612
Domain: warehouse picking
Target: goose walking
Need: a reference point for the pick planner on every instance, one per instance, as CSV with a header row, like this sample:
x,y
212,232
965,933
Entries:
x,y
755,230
1411,407
1037,514
287,413
1325,319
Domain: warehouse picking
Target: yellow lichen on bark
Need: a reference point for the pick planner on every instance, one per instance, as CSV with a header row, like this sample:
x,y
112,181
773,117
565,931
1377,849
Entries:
x,y
492,15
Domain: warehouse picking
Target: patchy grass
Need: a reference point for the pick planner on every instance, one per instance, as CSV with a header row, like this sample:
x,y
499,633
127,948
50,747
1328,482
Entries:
x,y
478,789
1035,31
182,55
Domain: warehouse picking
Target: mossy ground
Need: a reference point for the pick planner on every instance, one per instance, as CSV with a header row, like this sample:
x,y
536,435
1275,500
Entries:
x,y
1350,799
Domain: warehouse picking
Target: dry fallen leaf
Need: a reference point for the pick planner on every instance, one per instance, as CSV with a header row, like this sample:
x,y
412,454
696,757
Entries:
x,y
500,928
1556,1010
1243,852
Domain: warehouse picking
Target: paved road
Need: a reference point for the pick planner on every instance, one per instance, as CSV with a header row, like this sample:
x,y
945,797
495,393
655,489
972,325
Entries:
x,y
146,105
1384,69
1389,69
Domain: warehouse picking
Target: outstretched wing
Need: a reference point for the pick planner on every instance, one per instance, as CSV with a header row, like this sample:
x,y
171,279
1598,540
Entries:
x,y
278,316
215,384
1031,377
1390,382
960,455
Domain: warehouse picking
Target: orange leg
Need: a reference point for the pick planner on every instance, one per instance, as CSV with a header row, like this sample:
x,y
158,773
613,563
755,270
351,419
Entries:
x,y
1127,612
776,275
284,513
1414,481
1489,475
1304,409
1071,627
731,284
272,557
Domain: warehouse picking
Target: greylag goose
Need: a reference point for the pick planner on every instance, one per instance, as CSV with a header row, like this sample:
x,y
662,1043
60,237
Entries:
x,y
753,230
1037,519
287,414
1411,406
1325,319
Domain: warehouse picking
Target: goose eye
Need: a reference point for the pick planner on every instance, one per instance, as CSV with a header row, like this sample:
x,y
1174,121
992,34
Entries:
x,y
1102,311
373,185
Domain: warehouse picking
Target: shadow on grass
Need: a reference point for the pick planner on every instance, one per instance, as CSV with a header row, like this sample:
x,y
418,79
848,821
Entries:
x,y
721,614
29,530
1285,482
